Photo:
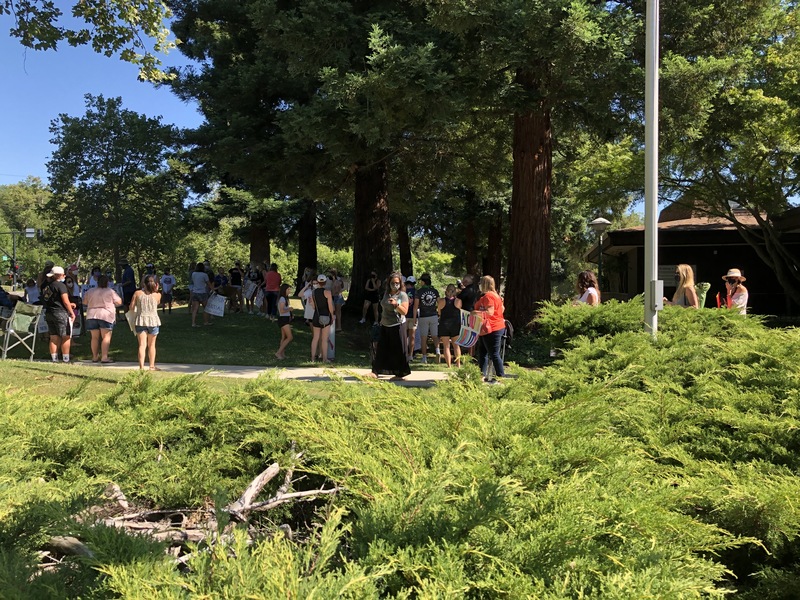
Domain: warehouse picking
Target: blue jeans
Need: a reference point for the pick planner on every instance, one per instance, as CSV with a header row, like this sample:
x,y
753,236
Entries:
x,y
490,350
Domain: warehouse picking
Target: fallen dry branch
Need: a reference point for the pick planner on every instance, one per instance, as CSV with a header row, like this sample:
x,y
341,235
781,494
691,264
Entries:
x,y
183,527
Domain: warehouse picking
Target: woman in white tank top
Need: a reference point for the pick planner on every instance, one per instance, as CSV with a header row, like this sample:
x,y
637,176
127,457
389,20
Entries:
x,y
588,289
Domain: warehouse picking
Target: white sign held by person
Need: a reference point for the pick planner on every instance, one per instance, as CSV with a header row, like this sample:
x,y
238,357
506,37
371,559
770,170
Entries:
x,y
249,289
216,305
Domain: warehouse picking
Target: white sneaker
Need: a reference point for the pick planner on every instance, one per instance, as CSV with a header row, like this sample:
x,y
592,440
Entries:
x,y
362,321
250,313
424,360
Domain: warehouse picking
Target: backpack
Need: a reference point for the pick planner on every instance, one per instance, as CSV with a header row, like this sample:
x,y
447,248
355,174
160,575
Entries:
x,y
509,332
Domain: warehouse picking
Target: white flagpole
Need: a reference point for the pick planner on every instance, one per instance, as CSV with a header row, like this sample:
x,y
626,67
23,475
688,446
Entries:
x,y
653,289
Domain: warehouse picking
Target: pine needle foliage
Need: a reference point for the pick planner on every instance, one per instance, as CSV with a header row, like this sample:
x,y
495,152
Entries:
x,y
629,468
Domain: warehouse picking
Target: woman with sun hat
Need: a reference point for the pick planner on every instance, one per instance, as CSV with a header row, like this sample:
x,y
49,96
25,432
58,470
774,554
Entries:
x,y
737,293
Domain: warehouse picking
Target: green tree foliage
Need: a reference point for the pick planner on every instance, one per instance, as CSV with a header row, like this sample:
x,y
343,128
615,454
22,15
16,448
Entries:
x,y
117,189
20,205
738,145
325,98
108,27
547,68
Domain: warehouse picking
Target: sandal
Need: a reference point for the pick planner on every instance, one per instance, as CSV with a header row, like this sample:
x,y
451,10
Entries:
x,y
95,360
107,361
154,369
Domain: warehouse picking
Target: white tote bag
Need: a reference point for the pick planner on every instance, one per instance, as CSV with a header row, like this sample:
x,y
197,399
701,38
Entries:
x,y
216,305
41,326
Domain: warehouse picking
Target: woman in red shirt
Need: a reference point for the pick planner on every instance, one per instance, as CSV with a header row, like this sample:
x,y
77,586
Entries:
x,y
272,289
490,307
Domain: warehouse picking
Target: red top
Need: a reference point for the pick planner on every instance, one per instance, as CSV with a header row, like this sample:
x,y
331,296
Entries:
x,y
493,322
272,281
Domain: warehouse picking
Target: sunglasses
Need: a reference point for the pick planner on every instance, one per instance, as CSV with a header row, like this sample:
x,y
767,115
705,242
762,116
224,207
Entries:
x,y
732,280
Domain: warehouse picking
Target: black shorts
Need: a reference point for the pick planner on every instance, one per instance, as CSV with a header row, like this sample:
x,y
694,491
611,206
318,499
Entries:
x,y
58,323
284,321
449,328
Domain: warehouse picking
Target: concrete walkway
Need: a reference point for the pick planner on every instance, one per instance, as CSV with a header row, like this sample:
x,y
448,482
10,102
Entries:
x,y
421,379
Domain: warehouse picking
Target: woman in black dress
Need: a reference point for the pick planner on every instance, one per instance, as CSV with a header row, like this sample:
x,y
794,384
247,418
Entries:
x,y
391,355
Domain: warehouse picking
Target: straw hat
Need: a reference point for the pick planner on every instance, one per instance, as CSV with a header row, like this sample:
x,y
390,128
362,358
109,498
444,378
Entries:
x,y
734,273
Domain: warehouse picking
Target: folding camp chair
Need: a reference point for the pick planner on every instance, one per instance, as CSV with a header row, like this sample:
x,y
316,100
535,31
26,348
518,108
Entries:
x,y
20,327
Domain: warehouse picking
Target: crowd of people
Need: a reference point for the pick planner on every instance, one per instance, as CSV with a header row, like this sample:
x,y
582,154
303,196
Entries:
x,y
408,314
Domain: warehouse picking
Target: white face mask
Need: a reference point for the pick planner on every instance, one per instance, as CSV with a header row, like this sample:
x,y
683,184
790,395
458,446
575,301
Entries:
x,y
395,286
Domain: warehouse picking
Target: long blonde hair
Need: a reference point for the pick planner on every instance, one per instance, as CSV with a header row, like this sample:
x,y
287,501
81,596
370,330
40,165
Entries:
x,y
487,284
687,281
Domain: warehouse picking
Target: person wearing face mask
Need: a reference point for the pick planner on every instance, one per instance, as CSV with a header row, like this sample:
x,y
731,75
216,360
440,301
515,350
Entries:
x,y
59,313
94,278
685,294
390,354
737,294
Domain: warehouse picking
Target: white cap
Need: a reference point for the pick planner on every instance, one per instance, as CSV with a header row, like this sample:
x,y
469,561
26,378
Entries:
x,y
56,271
411,279
322,278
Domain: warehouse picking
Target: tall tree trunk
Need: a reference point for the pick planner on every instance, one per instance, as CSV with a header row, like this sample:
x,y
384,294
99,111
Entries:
x,y
372,234
471,242
404,246
259,244
494,251
307,239
528,276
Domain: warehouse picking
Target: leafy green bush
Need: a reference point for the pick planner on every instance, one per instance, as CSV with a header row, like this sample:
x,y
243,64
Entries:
x,y
341,260
433,262
563,325
629,468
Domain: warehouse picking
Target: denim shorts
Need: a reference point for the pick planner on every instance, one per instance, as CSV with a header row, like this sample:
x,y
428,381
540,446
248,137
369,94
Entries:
x,y
148,330
96,324
201,298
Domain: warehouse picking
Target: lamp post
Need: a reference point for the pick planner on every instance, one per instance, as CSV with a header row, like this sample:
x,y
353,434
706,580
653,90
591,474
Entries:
x,y
599,225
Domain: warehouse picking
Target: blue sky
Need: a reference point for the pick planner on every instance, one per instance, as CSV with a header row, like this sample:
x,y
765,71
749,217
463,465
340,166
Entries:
x,y
38,86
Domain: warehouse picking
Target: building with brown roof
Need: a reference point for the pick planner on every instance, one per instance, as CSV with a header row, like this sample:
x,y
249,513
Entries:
x,y
711,245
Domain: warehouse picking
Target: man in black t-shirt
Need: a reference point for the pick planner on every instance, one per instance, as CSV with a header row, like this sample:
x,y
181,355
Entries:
x,y
59,313
425,301
468,294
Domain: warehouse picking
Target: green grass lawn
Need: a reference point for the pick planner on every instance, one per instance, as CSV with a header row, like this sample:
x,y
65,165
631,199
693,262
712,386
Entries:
x,y
59,380
235,339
